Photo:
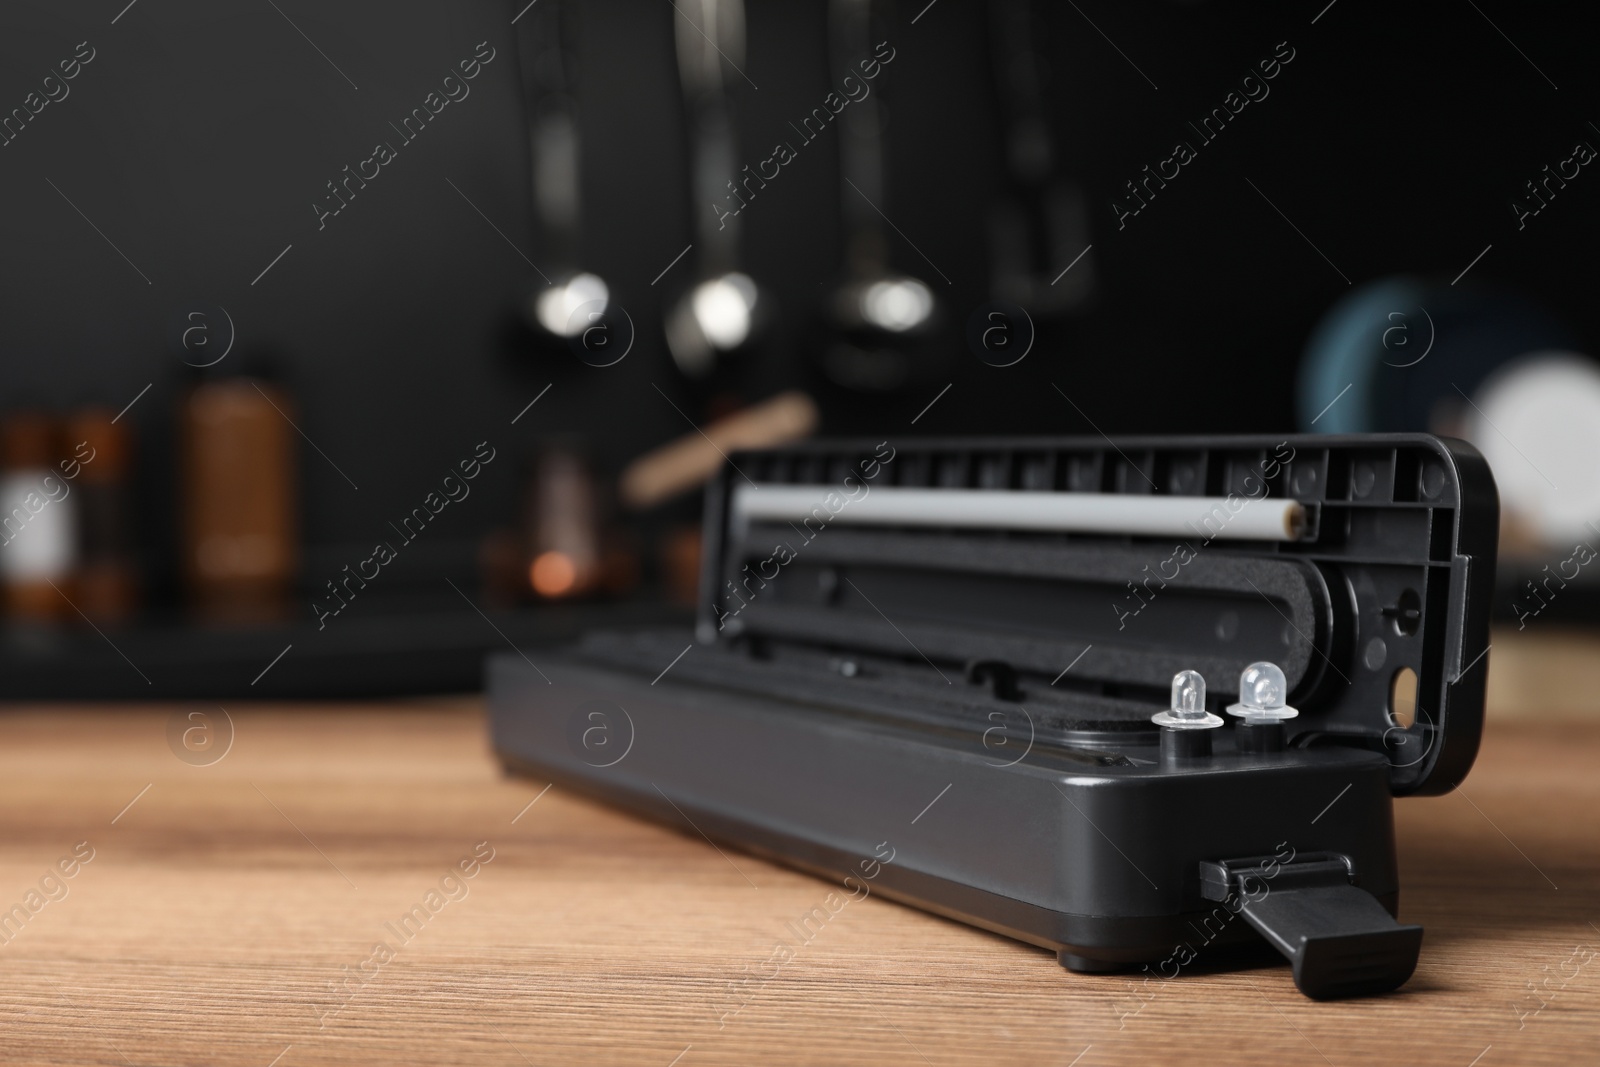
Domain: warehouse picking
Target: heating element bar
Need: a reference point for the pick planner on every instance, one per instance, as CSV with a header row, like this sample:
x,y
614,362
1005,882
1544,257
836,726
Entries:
x,y
1233,518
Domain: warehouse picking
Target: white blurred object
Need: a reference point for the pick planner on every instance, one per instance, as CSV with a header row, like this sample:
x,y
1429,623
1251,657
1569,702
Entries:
x,y
722,309
39,538
896,304
716,317
554,307
1537,422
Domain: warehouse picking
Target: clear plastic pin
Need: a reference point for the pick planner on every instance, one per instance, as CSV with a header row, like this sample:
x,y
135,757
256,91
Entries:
x,y
1262,691
1188,711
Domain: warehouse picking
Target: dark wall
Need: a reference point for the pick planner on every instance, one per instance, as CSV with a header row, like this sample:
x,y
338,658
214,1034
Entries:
x,y
201,133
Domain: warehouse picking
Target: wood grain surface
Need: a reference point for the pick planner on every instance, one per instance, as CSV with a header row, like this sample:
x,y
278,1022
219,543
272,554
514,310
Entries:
x,y
229,915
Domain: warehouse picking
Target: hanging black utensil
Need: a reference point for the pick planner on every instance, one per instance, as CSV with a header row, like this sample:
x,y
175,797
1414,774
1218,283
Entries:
x,y
559,304
880,325
1039,235
723,314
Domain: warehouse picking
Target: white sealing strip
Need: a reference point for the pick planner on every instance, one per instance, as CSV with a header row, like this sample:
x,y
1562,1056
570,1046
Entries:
x,y
1232,518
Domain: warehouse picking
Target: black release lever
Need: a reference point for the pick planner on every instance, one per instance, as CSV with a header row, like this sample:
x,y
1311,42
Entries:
x,y
1341,941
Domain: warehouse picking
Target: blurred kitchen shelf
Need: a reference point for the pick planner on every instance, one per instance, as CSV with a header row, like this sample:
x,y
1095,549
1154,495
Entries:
x,y
1544,671
397,651
1534,592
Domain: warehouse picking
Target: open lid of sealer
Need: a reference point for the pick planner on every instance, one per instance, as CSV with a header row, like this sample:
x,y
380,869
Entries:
x,y
1094,569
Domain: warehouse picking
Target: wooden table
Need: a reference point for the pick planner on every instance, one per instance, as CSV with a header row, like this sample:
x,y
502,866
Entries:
x,y
226,905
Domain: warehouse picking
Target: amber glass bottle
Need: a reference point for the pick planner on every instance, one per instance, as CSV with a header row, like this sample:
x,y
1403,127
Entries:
x,y
238,479
106,586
